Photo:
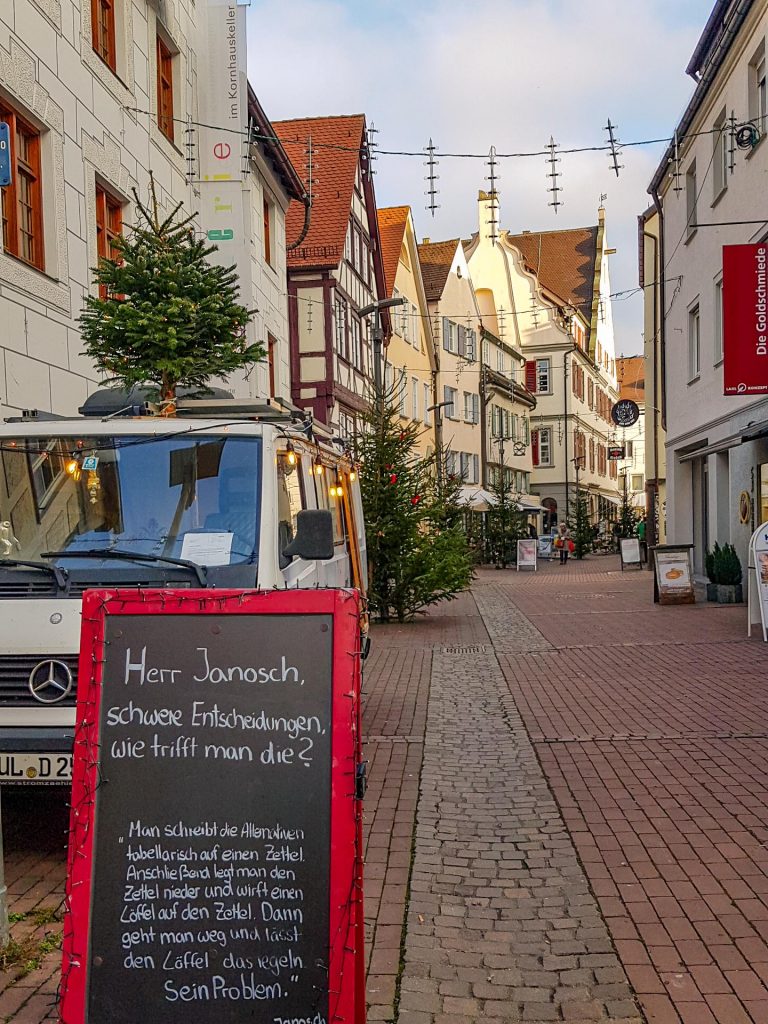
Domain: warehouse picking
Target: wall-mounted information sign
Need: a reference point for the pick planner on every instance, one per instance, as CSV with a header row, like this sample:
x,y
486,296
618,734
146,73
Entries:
x,y
214,869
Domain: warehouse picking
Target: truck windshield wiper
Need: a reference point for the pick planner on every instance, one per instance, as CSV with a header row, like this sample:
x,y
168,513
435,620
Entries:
x,y
60,575
132,556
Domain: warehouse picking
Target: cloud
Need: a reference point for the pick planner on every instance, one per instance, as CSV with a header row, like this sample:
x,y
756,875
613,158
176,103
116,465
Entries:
x,y
508,73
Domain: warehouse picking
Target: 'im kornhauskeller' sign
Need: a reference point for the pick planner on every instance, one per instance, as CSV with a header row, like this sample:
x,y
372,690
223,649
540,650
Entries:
x,y
745,319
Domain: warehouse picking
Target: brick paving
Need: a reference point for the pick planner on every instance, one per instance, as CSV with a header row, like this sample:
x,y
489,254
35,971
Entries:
x,y
592,812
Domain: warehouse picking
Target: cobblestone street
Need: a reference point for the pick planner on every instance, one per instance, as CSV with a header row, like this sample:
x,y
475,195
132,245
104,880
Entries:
x,y
566,819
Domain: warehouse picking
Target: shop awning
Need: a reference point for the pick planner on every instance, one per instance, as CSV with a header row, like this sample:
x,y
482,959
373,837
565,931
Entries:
x,y
530,503
476,498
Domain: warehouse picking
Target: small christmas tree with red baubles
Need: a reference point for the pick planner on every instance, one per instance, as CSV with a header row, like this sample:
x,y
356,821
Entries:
x,y
417,548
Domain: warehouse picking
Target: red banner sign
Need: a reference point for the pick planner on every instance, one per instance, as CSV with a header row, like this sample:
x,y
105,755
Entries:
x,y
745,319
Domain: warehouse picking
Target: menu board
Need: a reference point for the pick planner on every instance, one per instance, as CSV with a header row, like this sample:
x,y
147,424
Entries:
x,y
629,548
210,859
674,576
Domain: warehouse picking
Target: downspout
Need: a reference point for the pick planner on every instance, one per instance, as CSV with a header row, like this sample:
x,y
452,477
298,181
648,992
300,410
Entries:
x,y
483,427
565,436
651,519
663,306
307,201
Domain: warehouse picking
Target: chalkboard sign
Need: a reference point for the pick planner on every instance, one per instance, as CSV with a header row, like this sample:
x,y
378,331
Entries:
x,y
225,742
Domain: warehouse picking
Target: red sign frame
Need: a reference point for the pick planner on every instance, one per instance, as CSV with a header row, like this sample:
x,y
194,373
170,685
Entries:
x,y
745,319
346,980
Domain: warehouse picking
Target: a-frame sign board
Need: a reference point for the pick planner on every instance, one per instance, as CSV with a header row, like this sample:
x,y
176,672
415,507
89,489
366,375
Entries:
x,y
214,868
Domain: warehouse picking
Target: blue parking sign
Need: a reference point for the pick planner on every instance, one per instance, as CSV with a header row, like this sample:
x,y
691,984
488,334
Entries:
x,y
5,154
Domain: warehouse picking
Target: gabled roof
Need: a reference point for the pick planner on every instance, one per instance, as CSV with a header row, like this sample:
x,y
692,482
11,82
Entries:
x,y
392,222
273,150
564,262
336,149
631,374
436,260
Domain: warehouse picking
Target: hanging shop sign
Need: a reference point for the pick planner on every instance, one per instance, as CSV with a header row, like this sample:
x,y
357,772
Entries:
x,y
616,454
745,319
673,574
526,554
745,507
214,869
625,413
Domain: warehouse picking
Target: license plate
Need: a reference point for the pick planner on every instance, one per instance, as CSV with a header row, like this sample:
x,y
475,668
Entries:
x,y
45,768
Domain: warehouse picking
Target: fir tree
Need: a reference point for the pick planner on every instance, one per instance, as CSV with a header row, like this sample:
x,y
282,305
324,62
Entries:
x,y
169,317
505,524
582,529
417,549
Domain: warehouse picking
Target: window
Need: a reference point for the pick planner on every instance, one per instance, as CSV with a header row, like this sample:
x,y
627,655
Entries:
x,y
341,326
486,352
415,397
103,31
720,142
592,455
691,198
450,395
694,343
591,393
164,89
475,469
718,320
22,200
500,360
290,501
541,441
450,336
268,215
109,226
402,388
471,345
543,381
356,355
629,449
464,465
271,364
415,327
471,408
637,481
757,89
427,403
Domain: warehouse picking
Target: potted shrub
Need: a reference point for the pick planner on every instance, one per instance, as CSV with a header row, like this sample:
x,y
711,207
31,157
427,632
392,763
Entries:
x,y
709,568
728,574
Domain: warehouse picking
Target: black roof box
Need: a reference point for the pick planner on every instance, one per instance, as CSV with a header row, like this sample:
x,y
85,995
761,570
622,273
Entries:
x,y
136,402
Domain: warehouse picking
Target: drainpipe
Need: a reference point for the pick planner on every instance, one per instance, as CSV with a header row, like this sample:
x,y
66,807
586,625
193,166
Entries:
x,y
650,524
662,310
565,436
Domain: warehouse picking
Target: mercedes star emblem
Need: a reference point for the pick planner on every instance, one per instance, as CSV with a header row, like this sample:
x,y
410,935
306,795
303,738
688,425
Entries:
x,y
50,681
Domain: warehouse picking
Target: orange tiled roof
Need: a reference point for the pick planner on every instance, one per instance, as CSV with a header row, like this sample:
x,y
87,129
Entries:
x,y
436,259
564,262
631,374
392,221
336,143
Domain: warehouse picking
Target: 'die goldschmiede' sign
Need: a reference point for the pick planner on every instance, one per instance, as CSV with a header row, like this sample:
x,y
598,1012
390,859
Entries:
x,y
214,865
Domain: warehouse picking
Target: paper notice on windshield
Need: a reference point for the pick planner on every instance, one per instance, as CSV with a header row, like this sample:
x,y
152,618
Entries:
x,y
207,548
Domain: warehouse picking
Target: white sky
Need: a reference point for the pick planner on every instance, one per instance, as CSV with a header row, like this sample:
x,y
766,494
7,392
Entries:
x,y
507,73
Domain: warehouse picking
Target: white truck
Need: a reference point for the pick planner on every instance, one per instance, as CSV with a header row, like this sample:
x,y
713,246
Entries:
x,y
227,494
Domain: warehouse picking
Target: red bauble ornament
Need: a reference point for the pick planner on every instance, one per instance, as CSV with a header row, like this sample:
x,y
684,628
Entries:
x,y
416,499
393,478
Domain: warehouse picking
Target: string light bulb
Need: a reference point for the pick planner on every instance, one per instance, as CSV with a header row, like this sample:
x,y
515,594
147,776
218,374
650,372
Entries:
x,y
290,455
319,467
72,467
352,476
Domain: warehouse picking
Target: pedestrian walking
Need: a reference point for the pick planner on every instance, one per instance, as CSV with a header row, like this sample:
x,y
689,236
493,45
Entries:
x,y
563,542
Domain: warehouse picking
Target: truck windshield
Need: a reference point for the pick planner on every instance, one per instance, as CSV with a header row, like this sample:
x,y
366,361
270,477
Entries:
x,y
196,498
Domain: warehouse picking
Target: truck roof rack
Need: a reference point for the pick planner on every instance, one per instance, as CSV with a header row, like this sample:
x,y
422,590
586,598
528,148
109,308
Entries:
x,y
34,414
109,402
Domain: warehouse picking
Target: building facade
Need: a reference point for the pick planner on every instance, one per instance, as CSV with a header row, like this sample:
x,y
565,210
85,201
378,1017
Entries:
x,y
708,193
455,322
95,107
410,370
335,269
631,469
549,294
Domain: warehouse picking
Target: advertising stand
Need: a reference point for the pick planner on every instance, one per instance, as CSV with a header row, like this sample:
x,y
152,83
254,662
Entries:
x,y
215,859
757,586
673,574
629,550
526,554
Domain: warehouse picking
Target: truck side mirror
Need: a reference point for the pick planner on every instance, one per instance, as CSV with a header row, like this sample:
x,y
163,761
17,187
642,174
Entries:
x,y
314,536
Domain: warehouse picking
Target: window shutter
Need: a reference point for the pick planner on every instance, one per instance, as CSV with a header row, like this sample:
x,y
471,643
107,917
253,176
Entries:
x,y
535,447
471,342
530,375
462,340
446,334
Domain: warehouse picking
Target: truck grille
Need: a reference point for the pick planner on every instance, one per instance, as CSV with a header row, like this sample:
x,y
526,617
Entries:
x,y
15,670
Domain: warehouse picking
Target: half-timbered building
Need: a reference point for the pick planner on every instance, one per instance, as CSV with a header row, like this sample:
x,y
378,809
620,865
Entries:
x,y
334,268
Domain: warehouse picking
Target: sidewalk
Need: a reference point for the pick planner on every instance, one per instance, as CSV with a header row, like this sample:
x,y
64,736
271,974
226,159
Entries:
x,y
568,805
